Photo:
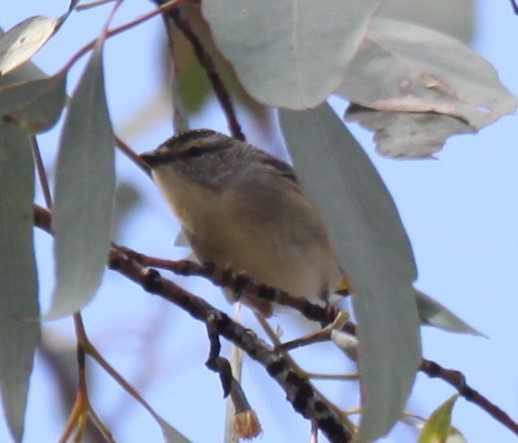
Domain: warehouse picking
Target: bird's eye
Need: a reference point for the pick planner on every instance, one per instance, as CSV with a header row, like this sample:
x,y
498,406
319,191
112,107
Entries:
x,y
195,151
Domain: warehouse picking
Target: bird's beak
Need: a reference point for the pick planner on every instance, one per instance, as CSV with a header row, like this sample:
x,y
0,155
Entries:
x,y
150,158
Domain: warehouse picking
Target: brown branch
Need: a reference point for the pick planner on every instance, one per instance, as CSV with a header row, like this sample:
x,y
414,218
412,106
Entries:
x,y
207,63
325,316
240,283
299,391
128,152
458,381
130,264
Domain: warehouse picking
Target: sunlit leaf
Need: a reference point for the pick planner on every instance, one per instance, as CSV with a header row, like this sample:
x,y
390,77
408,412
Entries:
x,y
286,53
20,43
438,427
84,194
29,71
34,105
375,253
19,310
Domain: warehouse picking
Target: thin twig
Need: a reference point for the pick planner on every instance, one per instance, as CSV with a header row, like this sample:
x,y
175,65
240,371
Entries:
x,y
458,381
112,32
42,173
207,63
180,121
92,351
126,150
85,6
67,384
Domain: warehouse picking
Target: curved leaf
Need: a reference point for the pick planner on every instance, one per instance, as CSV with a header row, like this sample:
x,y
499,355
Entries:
x,y
20,43
408,134
374,250
432,313
409,68
84,192
19,310
438,427
286,53
29,71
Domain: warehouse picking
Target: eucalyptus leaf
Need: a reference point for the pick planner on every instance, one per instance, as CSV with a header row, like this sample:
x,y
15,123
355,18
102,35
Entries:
x,y
34,105
454,17
409,68
375,253
286,53
19,312
432,313
408,134
29,71
85,183
20,43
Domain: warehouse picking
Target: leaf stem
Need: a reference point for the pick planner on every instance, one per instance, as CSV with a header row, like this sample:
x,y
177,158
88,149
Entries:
x,y
112,32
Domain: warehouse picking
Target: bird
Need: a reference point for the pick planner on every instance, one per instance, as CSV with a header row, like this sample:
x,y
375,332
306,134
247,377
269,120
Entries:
x,y
242,208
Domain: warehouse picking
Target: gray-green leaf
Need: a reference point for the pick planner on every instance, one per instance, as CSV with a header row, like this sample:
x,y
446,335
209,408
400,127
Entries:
x,y
84,194
432,313
401,67
408,134
374,250
34,105
19,310
286,53
452,17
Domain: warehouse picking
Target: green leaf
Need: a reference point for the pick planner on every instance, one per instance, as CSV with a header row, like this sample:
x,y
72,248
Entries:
x,y
85,182
286,53
375,253
19,310
20,43
438,427
34,105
